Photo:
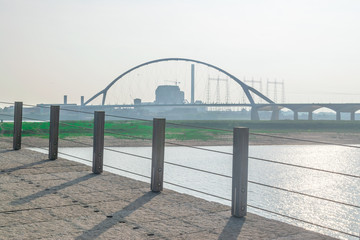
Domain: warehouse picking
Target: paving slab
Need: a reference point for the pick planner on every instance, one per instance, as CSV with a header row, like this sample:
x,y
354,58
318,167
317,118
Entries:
x,y
61,199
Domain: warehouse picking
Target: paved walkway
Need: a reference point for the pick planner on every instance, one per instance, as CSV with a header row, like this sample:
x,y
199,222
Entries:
x,y
61,199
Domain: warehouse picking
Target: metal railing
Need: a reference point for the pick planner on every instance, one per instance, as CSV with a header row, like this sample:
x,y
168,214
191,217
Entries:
x,y
239,157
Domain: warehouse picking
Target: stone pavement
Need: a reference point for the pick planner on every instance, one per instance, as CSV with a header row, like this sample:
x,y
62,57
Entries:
x,y
61,199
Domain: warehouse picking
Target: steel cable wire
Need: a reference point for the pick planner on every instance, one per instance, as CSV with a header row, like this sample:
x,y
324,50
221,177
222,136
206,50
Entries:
x,y
34,119
304,194
197,169
200,148
33,146
108,149
304,140
191,189
116,168
200,127
11,103
304,221
304,167
8,115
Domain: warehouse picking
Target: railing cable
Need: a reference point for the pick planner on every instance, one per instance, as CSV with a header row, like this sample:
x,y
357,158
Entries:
x,y
200,127
196,169
116,168
304,194
199,148
34,119
304,167
303,221
304,140
11,103
108,149
194,190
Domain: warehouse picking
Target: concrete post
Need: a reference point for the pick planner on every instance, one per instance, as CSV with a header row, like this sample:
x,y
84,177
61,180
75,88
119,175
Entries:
x,y
98,142
54,132
18,109
240,172
158,147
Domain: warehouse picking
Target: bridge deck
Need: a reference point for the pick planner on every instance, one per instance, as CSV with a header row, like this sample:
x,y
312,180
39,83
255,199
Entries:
x,y
61,199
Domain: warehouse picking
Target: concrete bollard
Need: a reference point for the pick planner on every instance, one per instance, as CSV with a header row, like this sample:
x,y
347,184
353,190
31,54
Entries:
x,y
158,147
18,109
98,143
54,132
240,172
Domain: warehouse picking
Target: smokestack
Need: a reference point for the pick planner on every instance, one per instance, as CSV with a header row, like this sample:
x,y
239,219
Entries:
x,y
192,83
65,99
82,100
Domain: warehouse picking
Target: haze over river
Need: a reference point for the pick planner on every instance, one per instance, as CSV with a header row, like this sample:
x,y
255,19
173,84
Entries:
x,y
326,185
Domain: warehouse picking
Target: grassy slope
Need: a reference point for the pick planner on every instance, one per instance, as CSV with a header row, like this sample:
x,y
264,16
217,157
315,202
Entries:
x,y
120,129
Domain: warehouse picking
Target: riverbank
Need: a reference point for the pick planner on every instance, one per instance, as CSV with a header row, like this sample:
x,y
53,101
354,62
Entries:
x,y
226,139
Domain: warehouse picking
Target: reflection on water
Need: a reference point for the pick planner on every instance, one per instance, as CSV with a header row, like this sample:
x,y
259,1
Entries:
x,y
330,186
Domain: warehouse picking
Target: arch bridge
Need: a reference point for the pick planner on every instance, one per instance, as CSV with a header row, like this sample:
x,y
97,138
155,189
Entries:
x,y
248,90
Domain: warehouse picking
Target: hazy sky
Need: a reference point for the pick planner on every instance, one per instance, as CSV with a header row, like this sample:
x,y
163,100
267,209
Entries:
x,y
49,48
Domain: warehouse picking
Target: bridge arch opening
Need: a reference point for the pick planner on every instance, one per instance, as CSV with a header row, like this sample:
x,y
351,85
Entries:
x,y
212,84
324,113
286,114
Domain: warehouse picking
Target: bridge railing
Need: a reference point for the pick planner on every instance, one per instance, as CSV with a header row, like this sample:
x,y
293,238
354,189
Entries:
x,y
240,159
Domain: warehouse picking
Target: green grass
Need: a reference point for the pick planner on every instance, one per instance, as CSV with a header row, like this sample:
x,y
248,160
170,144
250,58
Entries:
x,y
120,129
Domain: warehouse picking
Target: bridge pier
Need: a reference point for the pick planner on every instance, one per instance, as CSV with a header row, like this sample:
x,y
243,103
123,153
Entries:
x,y
275,114
310,116
352,117
254,114
296,115
338,116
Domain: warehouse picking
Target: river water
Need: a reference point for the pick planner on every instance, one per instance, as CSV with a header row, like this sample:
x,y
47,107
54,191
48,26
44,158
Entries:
x,y
326,185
